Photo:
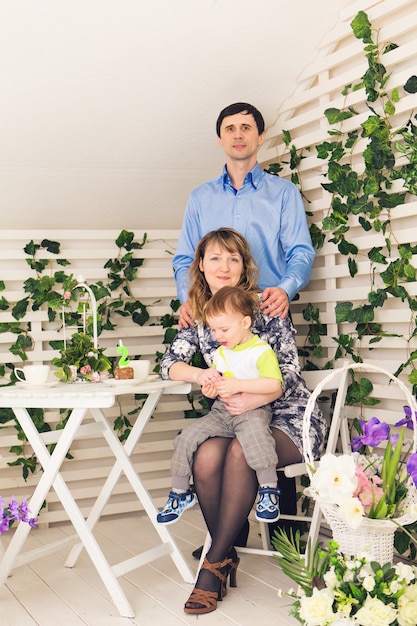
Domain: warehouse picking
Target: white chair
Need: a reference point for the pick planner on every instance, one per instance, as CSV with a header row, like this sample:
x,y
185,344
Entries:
x,y
338,431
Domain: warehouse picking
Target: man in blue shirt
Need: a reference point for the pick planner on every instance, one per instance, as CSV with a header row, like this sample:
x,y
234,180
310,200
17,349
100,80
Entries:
x,y
266,209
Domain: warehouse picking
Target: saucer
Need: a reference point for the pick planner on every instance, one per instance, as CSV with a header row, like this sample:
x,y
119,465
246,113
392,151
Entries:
x,y
114,382
25,385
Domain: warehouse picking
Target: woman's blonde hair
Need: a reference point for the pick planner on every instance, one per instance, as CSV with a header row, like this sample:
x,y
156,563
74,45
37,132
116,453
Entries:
x,y
232,241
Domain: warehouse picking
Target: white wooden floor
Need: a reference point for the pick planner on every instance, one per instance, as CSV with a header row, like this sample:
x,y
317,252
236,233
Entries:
x,y
45,593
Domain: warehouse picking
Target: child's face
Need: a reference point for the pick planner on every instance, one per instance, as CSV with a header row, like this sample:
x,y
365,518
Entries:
x,y
230,329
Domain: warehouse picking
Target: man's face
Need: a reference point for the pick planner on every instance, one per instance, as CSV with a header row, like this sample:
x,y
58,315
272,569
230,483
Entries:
x,y
239,137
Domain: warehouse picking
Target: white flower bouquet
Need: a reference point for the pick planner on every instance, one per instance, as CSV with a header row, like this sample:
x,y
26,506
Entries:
x,y
338,590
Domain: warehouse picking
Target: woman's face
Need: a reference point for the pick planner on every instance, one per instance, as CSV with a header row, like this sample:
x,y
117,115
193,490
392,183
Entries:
x,y
220,267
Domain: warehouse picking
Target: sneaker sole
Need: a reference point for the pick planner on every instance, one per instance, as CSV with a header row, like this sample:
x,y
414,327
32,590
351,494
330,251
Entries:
x,y
269,520
173,521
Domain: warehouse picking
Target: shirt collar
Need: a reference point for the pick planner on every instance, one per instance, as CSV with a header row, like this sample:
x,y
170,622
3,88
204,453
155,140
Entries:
x,y
252,178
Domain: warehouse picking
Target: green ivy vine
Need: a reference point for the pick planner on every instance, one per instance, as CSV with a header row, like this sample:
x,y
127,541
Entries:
x,y
362,195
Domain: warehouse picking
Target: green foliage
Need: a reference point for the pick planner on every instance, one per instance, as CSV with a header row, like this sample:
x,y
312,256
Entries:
x,y
303,571
363,197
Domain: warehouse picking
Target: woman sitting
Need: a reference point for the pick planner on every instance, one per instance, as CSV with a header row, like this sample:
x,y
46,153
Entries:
x,y
226,486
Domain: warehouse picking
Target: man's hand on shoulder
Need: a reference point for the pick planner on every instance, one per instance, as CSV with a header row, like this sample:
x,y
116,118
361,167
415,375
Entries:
x,y
275,302
186,318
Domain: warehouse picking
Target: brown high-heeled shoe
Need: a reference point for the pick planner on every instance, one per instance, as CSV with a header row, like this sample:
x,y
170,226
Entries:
x,y
207,600
230,570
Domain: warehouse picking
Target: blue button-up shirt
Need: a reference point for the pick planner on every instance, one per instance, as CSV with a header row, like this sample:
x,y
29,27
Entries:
x,y
268,211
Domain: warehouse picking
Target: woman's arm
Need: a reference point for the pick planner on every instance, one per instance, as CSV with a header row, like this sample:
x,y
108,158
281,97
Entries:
x,y
175,364
192,374
228,386
243,402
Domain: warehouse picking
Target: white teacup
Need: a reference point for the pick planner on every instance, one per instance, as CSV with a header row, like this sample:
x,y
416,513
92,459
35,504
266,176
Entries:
x,y
140,369
33,374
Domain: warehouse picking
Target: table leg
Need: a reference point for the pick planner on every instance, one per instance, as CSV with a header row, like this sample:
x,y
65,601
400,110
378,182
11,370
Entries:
x,y
51,476
123,463
50,465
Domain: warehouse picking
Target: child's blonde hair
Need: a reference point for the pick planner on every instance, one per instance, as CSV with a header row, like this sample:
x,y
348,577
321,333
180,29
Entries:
x,y
232,300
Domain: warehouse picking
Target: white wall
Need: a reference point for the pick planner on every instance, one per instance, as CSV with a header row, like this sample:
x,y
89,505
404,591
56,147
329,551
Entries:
x,y
108,106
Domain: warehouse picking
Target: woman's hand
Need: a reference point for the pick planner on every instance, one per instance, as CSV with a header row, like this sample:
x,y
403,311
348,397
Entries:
x,y
209,390
243,402
208,376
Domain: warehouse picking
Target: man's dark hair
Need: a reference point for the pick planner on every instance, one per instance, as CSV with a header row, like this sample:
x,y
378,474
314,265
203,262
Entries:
x,y
241,107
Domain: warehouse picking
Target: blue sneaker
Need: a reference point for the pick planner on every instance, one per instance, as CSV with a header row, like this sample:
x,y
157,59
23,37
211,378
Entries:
x,y
267,507
175,507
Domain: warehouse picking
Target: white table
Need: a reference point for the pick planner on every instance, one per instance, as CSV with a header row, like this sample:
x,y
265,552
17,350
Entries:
x,y
81,399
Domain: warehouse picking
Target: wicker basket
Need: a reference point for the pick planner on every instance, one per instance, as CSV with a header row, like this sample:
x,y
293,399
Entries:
x,y
374,536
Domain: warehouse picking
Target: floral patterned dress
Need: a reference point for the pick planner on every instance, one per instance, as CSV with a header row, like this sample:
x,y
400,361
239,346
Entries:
x,y
288,410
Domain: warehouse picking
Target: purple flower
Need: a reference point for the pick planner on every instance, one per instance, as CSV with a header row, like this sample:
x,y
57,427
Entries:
x,y
13,509
394,439
14,512
374,432
406,421
412,467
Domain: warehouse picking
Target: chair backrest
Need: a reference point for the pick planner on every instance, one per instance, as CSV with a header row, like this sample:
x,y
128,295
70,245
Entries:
x,y
329,380
333,380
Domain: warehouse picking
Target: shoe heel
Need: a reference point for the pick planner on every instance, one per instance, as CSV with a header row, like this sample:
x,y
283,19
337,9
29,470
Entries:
x,y
233,573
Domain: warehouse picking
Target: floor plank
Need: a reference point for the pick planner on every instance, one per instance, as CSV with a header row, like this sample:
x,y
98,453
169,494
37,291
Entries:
x,y
44,592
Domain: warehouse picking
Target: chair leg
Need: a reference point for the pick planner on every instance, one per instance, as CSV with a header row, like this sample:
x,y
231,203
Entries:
x,y
265,538
204,551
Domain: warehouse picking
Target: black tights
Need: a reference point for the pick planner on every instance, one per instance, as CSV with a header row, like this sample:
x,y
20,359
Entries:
x,y
226,488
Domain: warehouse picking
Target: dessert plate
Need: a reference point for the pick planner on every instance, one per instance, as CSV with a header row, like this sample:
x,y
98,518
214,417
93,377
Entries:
x,y
114,382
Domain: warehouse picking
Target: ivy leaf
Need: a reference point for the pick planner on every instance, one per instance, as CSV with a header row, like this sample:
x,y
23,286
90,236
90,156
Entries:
x,y
20,308
361,27
345,247
334,116
50,246
140,317
343,311
375,255
366,224
31,248
411,85
4,305
377,298
353,266
124,239
390,200
169,335
389,108
274,169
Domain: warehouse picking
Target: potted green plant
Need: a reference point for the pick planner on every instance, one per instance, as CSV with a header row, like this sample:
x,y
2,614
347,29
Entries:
x,y
80,361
